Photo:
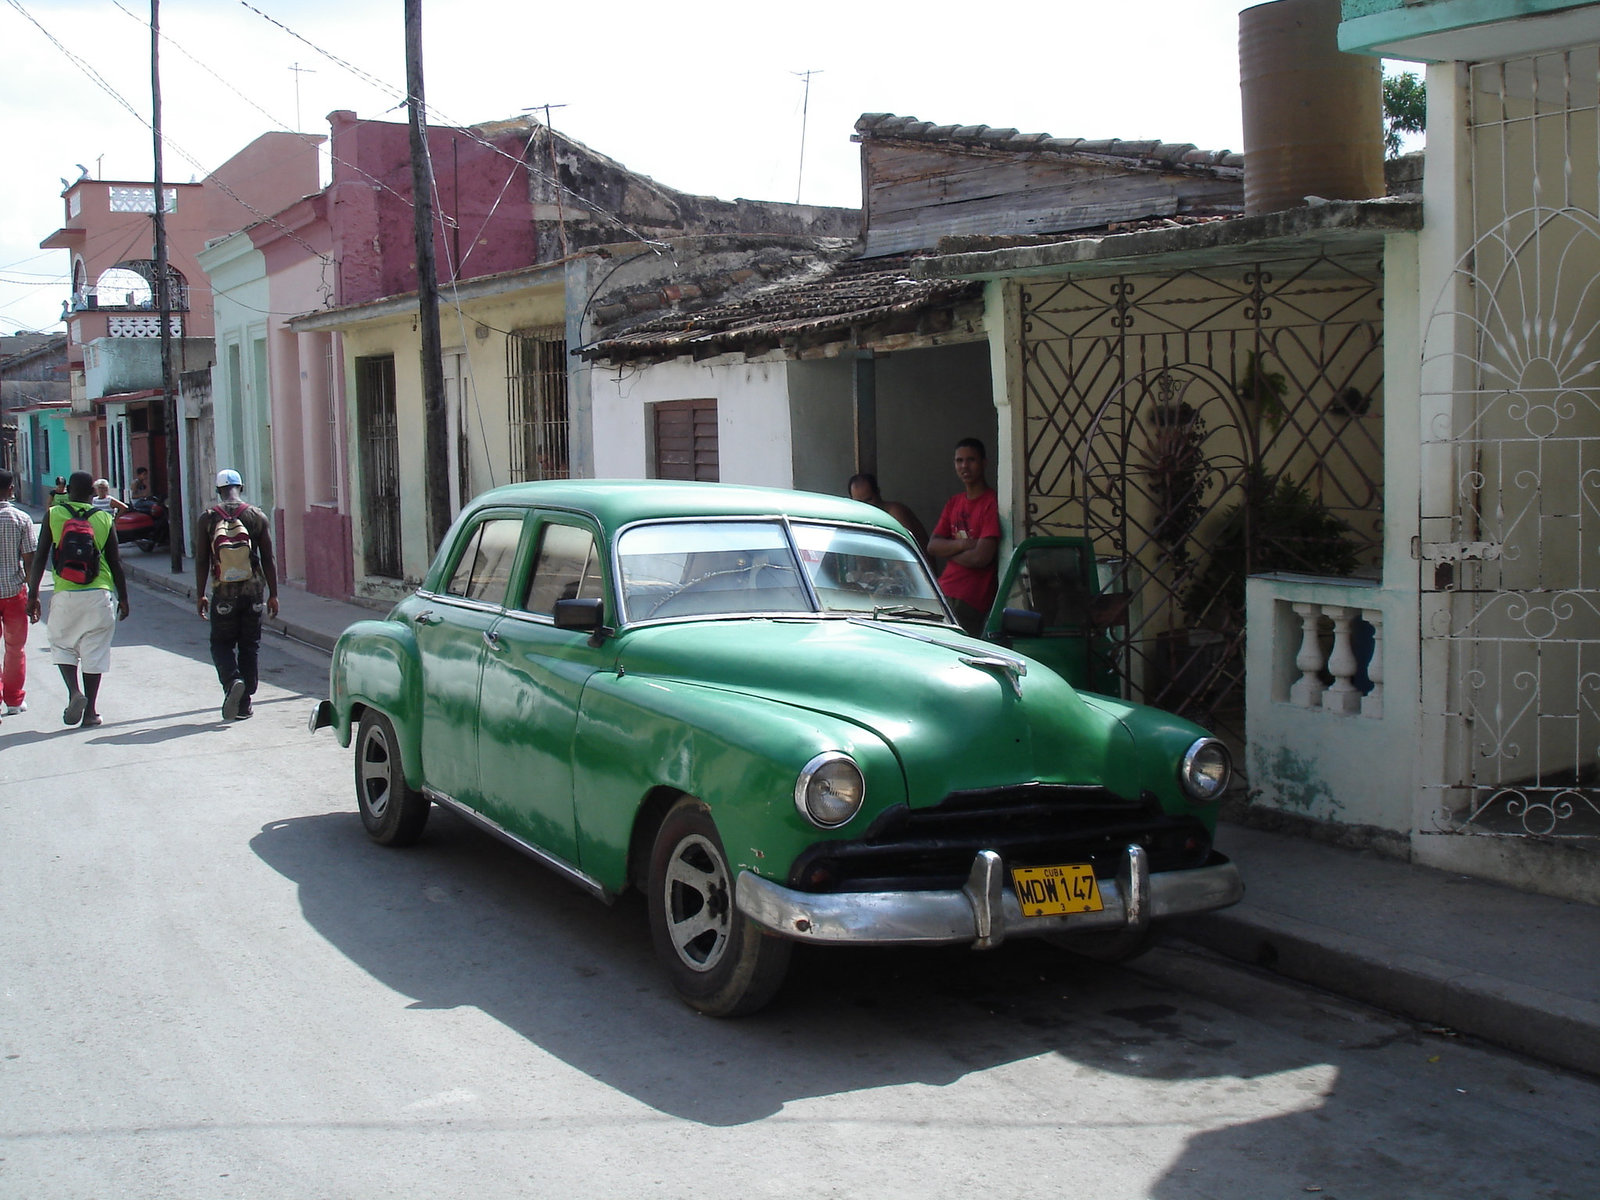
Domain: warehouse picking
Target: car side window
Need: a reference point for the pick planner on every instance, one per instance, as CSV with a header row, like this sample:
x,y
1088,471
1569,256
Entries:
x,y
484,569
567,568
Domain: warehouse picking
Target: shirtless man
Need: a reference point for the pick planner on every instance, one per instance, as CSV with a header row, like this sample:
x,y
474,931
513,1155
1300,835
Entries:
x,y
864,487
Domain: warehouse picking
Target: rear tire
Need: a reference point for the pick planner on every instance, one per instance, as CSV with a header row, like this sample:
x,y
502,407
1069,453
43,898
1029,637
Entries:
x,y
719,962
393,812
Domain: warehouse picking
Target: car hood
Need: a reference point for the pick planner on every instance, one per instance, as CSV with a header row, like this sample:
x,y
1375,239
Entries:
x,y
957,712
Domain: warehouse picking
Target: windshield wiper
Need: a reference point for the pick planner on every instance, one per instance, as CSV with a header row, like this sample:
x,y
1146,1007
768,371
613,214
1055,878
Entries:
x,y
905,610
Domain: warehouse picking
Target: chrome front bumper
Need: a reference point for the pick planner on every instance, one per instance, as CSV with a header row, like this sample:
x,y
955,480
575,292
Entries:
x,y
320,716
985,911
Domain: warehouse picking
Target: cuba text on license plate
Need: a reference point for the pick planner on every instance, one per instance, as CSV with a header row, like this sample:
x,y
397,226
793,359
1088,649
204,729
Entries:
x,y
1055,891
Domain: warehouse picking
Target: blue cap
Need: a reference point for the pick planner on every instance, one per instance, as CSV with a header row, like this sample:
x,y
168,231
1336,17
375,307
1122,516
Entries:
x,y
228,479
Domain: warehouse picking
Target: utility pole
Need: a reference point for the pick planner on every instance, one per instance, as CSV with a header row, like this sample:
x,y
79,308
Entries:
x,y
435,423
169,383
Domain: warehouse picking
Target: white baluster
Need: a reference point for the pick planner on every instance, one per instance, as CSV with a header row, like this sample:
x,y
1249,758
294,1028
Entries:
x,y
1307,690
1342,696
1372,702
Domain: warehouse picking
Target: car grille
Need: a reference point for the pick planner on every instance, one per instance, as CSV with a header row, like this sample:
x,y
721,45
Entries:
x,y
1029,825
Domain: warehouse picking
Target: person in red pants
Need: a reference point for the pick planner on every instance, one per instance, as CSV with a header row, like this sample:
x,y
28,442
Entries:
x,y
17,543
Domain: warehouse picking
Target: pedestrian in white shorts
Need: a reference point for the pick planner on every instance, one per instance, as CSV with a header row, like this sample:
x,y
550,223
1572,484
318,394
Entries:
x,y
83,615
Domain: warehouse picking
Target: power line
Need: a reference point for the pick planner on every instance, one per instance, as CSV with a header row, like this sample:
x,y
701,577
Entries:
x,y
100,82
403,98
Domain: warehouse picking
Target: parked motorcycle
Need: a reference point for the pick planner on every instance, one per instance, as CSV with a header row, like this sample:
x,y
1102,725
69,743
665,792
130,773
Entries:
x,y
144,524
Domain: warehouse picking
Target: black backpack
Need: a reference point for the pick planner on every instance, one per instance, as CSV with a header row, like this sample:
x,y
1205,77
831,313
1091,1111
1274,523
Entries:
x,y
77,554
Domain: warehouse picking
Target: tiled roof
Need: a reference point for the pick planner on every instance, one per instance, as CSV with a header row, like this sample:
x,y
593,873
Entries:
x,y
1178,155
818,303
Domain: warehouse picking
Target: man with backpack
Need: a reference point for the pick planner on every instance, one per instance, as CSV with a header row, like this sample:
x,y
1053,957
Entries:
x,y
233,556
79,542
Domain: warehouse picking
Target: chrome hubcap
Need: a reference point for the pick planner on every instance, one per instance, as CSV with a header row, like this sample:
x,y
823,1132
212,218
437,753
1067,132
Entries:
x,y
376,763
699,903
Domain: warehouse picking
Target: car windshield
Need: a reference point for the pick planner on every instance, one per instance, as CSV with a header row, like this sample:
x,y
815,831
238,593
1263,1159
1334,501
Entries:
x,y
708,568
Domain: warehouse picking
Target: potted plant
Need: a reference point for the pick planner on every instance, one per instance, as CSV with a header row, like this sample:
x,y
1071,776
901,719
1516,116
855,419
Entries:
x,y
1179,477
1277,526
1263,388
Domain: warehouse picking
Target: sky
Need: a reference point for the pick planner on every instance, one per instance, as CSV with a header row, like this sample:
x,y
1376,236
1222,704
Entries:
x,y
709,98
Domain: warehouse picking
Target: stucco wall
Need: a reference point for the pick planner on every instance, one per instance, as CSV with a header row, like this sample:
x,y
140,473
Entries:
x,y
754,444
492,225
476,330
241,399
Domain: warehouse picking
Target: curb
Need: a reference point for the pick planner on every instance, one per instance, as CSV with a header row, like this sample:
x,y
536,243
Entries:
x,y
1554,1028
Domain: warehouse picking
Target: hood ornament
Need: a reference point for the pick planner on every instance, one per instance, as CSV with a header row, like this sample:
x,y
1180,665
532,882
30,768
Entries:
x,y
1012,668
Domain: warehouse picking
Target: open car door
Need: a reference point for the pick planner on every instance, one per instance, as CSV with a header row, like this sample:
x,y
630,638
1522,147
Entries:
x,y
1050,608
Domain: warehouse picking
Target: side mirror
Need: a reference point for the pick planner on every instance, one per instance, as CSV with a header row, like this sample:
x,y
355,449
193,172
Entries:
x,y
1021,622
585,615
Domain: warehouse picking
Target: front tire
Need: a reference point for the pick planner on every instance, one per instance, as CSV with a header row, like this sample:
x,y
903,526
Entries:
x,y
1110,946
393,812
719,962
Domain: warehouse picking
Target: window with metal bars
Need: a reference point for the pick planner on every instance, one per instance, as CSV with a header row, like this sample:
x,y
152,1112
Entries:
x,y
380,464
536,384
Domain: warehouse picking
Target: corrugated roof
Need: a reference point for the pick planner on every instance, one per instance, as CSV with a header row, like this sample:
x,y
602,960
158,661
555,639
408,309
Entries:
x,y
1153,152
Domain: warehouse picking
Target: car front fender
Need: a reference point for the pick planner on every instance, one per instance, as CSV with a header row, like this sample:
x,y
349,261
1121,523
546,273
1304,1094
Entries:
x,y
375,665
738,753
1162,739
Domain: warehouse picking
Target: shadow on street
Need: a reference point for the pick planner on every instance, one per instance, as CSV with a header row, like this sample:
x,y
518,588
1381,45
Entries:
x,y
462,920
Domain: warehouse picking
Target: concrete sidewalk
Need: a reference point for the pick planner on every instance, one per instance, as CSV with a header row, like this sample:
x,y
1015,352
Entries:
x,y
1515,969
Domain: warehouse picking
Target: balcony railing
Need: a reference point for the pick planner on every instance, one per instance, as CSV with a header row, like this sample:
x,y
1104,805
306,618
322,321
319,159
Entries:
x,y
1330,668
1327,644
91,302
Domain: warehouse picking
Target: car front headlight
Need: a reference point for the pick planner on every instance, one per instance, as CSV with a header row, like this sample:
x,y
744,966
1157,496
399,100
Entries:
x,y
1207,768
830,790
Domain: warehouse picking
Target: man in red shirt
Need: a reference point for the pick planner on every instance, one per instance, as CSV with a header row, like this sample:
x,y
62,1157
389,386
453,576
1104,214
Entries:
x,y
967,540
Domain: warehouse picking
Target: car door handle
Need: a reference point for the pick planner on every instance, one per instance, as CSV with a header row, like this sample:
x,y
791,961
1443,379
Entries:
x,y
426,618
492,639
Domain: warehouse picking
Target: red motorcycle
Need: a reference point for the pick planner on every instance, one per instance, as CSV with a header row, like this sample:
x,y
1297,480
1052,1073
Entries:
x,y
144,524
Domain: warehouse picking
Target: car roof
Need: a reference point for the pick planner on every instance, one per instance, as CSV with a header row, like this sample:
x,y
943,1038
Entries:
x,y
618,502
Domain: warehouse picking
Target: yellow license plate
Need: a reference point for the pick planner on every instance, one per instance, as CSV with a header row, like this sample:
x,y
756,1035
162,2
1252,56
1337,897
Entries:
x,y
1055,891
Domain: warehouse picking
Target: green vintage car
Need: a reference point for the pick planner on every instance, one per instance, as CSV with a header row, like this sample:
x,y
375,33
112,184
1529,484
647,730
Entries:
x,y
755,706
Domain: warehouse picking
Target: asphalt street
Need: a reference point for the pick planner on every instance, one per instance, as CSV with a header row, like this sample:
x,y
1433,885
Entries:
x,y
214,985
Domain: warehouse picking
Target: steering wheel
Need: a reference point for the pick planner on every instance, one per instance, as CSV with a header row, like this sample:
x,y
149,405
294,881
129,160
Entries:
x,y
751,576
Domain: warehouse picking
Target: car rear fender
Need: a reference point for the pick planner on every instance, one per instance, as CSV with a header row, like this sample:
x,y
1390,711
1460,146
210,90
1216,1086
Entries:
x,y
375,665
639,738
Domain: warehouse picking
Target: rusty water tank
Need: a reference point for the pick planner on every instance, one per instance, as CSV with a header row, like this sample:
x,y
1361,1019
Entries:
x,y
1313,115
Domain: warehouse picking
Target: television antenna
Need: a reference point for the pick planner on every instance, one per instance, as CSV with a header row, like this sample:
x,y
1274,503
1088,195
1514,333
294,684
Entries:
x,y
805,109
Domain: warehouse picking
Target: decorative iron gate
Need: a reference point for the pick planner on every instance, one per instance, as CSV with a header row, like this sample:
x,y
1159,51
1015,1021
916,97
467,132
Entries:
x,y
380,466
1511,391
1200,426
